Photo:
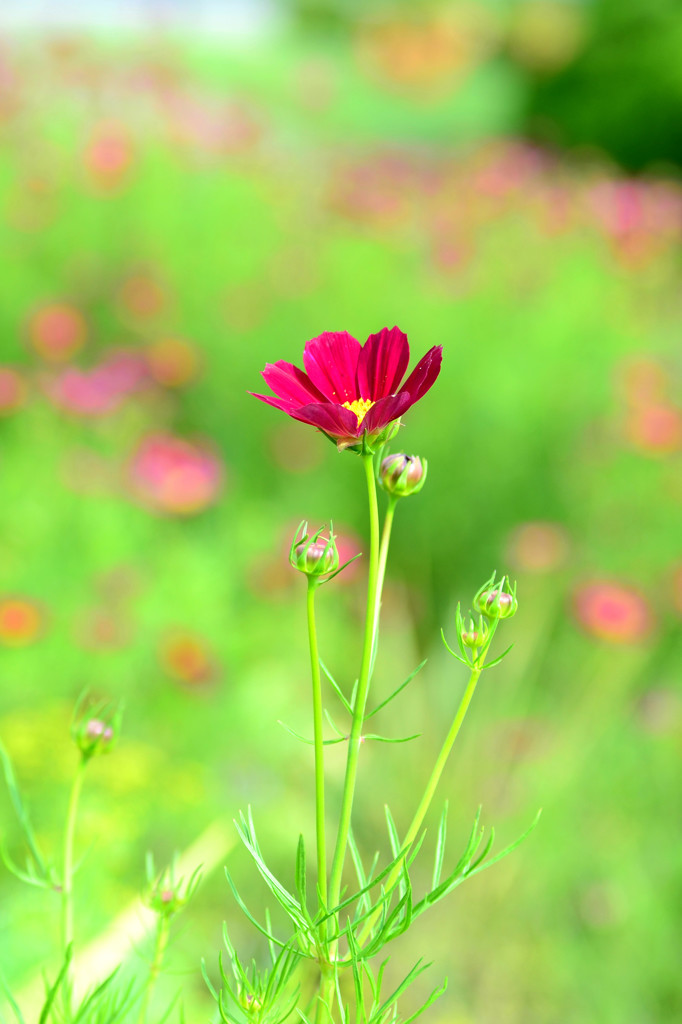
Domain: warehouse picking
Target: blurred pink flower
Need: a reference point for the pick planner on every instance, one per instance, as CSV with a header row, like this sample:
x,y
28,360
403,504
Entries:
x,y
639,217
100,390
613,612
209,125
109,155
655,429
174,475
12,390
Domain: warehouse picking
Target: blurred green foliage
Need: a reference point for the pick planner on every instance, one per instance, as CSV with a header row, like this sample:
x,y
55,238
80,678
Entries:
x,y
242,203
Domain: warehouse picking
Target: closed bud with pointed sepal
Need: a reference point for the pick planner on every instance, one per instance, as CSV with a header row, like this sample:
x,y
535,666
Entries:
x,y
402,475
496,599
475,635
314,555
96,732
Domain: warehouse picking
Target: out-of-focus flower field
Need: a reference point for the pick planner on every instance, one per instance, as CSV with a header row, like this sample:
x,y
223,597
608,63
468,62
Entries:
x,y
173,215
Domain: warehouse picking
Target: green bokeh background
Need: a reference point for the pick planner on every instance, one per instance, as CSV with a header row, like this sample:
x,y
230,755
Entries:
x,y
341,175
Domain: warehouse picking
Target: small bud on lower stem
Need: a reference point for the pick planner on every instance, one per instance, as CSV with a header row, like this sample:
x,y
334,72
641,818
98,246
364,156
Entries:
x,y
476,634
316,555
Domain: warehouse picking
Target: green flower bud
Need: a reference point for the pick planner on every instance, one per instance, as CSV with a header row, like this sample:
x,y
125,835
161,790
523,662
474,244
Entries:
x,y
496,600
316,555
476,634
97,732
402,475
250,1003
164,894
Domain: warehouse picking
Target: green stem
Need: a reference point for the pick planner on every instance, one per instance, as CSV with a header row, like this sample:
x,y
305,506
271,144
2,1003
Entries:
x,y
355,738
162,933
383,552
429,792
318,742
377,567
67,872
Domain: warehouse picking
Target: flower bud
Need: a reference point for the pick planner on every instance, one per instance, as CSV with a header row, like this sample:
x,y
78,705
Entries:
x,y
496,600
316,555
476,634
402,475
250,1003
164,894
93,734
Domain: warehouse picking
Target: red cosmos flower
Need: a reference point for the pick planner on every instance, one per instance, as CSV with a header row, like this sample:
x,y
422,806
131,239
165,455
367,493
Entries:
x,y
351,392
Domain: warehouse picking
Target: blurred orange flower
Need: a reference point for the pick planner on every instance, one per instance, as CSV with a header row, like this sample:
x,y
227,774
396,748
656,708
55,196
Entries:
x,y
186,657
57,332
537,547
172,362
141,295
21,621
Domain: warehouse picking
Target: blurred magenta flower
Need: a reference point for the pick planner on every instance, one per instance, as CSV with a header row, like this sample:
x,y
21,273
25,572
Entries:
x,y
613,612
351,391
174,475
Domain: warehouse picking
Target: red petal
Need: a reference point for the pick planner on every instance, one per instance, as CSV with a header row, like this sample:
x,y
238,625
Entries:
x,y
333,419
424,374
385,411
382,363
291,384
331,361
278,403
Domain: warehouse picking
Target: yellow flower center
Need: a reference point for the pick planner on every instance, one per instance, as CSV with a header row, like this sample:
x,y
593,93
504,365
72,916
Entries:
x,y
360,407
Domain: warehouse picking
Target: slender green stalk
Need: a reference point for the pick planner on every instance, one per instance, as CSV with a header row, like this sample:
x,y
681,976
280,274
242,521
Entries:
x,y
383,552
434,779
67,870
355,738
429,791
162,933
318,743
378,553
